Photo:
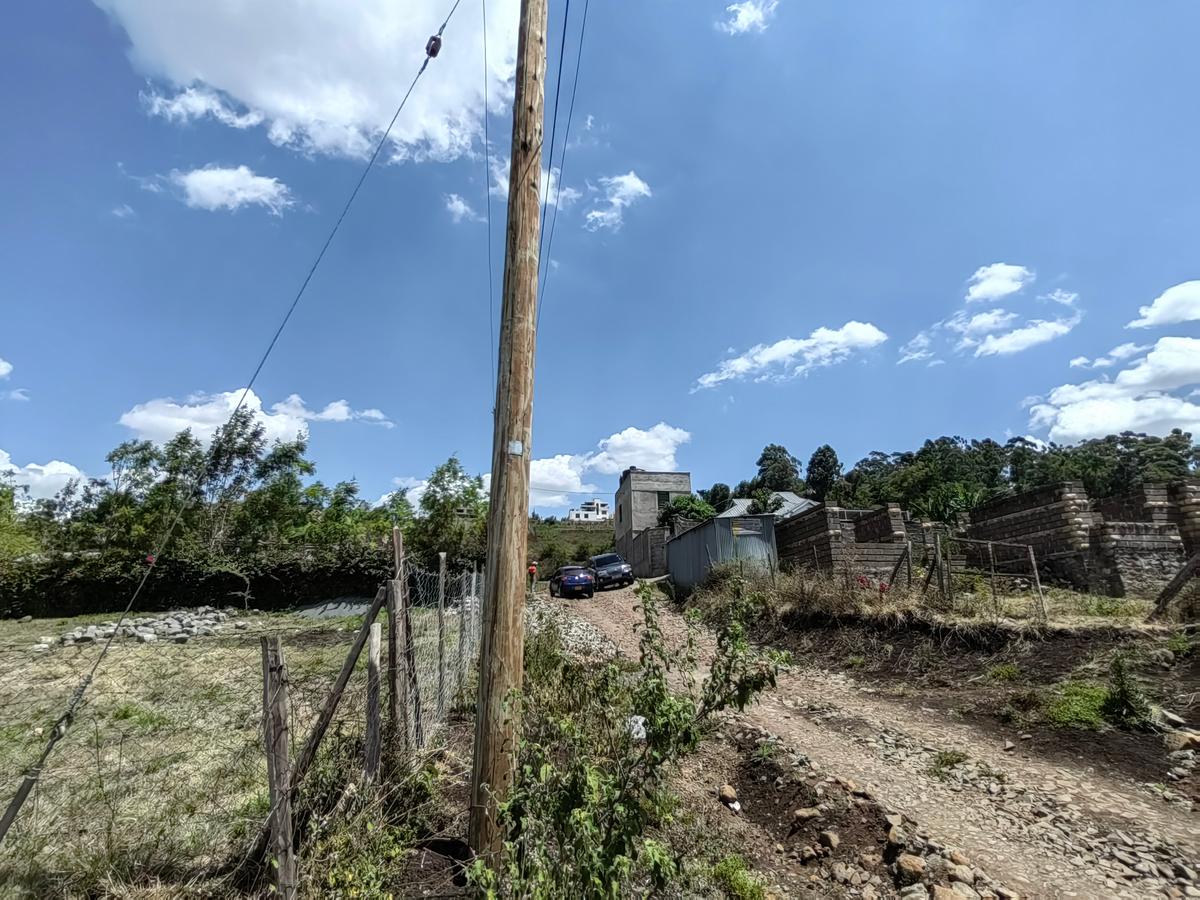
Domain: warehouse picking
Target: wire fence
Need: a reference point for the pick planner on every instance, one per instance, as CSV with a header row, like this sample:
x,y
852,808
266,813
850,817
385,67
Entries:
x,y
162,774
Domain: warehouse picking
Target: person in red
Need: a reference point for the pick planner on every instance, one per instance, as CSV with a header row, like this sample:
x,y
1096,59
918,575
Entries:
x,y
532,577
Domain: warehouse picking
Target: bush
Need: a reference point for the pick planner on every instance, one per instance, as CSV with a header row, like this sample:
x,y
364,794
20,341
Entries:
x,y
734,877
1004,672
1077,704
588,789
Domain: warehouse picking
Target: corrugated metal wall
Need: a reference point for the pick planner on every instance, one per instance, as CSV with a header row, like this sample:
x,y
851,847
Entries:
x,y
750,539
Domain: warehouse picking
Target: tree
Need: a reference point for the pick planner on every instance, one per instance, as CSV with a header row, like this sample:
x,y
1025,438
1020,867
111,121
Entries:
x,y
718,496
778,470
689,506
763,502
453,513
824,471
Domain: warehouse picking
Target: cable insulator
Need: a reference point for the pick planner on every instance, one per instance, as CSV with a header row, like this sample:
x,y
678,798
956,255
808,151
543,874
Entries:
x,y
434,46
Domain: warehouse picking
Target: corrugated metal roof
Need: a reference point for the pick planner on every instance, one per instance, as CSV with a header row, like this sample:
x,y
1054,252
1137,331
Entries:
x,y
793,504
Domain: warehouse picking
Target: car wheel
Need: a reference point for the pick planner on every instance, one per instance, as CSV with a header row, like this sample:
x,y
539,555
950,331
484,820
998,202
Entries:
x,y
553,593
590,594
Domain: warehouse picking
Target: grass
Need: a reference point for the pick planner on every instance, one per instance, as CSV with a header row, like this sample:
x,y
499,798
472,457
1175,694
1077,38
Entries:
x,y
1004,672
1180,644
162,772
733,876
1077,704
944,761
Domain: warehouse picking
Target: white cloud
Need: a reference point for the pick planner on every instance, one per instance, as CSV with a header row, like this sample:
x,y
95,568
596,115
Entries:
x,y
1180,303
1032,333
996,281
1058,295
749,15
653,449
792,357
980,323
547,186
5,368
1111,358
124,211
917,349
552,479
1138,399
161,419
460,210
324,76
215,188
39,480
620,191
21,394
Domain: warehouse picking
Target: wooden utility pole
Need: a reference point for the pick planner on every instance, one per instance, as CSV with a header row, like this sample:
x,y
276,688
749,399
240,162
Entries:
x,y
502,655
275,733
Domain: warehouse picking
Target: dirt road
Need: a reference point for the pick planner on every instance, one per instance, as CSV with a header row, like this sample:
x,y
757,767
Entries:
x,y
1047,829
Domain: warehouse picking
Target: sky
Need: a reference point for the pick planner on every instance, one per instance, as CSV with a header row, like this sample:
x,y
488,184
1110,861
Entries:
x,y
778,221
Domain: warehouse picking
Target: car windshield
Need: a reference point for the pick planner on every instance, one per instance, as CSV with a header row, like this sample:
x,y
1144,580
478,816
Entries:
x,y
570,570
607,560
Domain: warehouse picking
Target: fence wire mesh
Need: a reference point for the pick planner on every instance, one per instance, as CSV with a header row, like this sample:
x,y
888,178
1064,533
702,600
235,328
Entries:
x,y
162,774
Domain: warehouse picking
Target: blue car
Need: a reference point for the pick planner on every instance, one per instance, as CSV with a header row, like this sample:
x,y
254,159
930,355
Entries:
x,y
573,581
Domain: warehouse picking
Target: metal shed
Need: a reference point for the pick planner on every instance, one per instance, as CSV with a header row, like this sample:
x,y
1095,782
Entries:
x,y
692,554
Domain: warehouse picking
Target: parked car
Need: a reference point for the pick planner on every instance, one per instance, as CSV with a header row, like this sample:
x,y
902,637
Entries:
x,y
573,581
611,570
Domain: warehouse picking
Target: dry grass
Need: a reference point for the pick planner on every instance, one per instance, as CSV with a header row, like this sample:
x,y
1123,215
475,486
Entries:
x,y
161,778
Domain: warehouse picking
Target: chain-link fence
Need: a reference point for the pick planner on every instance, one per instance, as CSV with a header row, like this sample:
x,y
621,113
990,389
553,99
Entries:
x,y
161,776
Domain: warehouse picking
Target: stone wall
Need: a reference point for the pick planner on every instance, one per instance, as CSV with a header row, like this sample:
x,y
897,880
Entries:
x,y
648,553
1134,559
1184,512
1147,503
827,538
1055,520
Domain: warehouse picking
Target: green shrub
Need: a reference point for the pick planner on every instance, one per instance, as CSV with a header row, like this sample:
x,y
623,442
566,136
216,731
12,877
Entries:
x,y
1077,704
944,761
1004,672
734,877
1125,704
1180,644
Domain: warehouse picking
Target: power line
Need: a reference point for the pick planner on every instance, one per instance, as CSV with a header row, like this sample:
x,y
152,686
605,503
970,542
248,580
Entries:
x,y
562,160
487,193
562,48
432,48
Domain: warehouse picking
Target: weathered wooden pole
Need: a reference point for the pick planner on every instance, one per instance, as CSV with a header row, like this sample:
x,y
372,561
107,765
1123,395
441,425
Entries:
x,y
502,661
275,734
441,620
398,727
371,757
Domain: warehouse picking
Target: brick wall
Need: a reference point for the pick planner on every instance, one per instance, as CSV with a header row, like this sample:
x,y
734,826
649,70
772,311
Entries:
x,y
1185,512
648,553
1146,503
826,537
882,525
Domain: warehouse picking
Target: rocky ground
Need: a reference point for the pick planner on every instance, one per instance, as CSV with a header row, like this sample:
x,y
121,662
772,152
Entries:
x,y
178,626
1031,824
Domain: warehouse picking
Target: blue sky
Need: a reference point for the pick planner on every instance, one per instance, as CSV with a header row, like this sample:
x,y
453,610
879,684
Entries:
x,y
797,222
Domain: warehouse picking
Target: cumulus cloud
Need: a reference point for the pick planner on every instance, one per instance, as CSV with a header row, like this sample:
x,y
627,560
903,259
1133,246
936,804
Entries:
x,y
972,328
1180,303
651,448
916,350
548,187
215,188
1142,397
38,481
553,479
747,16
1032,333
620,192
161,419
791,357
1058,295
325,77
460,210
5,367
997,280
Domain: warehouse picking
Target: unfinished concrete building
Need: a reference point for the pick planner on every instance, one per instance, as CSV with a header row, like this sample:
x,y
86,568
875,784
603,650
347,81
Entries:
x,y
863,541
641,495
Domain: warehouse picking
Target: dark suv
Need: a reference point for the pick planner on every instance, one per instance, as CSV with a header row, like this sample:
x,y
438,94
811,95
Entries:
x,y
611,570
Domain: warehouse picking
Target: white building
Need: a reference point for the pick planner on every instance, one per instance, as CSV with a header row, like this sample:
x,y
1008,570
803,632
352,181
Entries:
x,y
594,510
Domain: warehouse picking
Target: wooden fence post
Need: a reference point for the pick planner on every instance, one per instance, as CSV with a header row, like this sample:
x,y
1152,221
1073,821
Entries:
x,y
275,733
397,720
1037,583
441,622
371,762
992,576
413,687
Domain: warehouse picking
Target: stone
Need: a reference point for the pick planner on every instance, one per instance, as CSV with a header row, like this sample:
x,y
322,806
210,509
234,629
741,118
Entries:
x,y
1006,893
180,639
829,839
959,889
25,619
894,820
869,893
146,637
941,892
869,860
1009,746
896,837
807,855
727,794
959,858
914,892
41,648
962,873
909,868
807,814
1182,739
840,872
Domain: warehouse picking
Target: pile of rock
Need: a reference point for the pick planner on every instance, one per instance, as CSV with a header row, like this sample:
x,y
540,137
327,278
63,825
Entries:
x,y
178,626
579,638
